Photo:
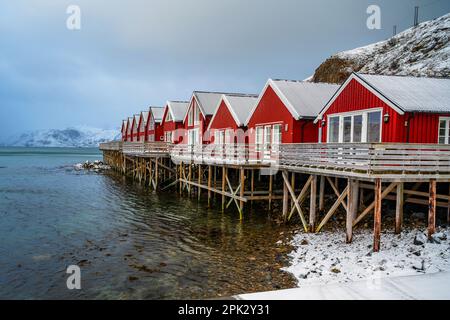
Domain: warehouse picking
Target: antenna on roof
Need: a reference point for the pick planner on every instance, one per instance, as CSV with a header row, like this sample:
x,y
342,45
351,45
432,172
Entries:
x,y
416,16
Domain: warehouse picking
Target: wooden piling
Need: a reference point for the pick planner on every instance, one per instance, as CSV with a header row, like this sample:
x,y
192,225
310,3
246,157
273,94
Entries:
x,y
322,194
352,208
224,181
432,209
312,204
199,190
377,217
241,202
399,208
209,184
270,190
285,200
448,205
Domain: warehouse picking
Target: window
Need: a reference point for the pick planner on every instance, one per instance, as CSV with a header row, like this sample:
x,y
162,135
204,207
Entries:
x,y
168,136
267,136
151,125
229,136
444,130
168,116
197,115
277,132
219,137
191,116
358,127
259,137
374,126
333,129
193,137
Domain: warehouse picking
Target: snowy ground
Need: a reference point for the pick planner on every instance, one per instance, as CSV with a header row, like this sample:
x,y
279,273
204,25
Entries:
x,y
324,257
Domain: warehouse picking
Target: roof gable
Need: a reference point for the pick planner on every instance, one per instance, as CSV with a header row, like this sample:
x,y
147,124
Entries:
x,y
177,109
239,106
302,99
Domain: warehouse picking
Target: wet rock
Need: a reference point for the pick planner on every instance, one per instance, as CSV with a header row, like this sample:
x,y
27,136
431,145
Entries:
x,y
335,270
418,215
304,242
97,166
440,236
420,239
133,278
435,239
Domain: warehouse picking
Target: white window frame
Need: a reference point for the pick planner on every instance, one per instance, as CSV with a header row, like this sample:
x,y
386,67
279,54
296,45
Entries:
x,y
168,116
279,136
447,129
193,137
364,114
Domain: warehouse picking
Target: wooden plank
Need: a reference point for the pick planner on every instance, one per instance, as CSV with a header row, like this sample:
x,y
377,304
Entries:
x,y
270,190
225,194
224,175
336,190
372,205
432,209
333,209
296,204
301,197
312,204
399,208
377,216
199,181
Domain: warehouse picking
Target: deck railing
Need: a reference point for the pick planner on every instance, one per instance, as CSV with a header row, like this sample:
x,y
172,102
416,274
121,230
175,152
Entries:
x,y
371,159
146,148
111,146
231,154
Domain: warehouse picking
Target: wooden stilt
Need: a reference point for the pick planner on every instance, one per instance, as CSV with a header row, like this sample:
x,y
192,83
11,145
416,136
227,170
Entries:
x,y
199,181
270,190
312,204
448,205
333,209
377,217
252,184
432,209
293,186
297,201
209,184
352,208
285,200
399,208
156,174
322,194
241,203
189,178
224,178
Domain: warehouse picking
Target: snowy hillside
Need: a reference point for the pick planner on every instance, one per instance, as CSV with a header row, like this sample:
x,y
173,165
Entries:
x,y
70,137
419,51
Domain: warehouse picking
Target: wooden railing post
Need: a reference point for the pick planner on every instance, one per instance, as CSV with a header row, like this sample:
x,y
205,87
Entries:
x,y
399,208
432,209
377,217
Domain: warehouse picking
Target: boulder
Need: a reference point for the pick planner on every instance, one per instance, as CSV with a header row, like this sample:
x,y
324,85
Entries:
x,y
420,239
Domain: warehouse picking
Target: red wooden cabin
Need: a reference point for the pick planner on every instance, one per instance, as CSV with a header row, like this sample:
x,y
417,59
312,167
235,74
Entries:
x,y
129,123
123,130
142,126
285,112
155,131
173,120
198,115
228,123
373,108
134,128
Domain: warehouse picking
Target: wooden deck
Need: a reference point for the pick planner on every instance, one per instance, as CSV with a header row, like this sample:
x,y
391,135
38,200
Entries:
x,y
365,161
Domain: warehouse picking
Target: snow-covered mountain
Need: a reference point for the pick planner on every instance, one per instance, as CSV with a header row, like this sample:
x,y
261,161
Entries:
x,y
70,137
422,51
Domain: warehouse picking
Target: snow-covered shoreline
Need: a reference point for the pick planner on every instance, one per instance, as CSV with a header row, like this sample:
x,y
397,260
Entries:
x,y
325,258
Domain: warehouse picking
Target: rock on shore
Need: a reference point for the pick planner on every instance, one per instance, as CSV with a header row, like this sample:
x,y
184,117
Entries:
x,y
96,166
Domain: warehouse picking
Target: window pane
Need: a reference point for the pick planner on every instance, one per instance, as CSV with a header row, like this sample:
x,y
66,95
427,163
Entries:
x,y
333,127
347,129
373,126
267,135
357,128
277,133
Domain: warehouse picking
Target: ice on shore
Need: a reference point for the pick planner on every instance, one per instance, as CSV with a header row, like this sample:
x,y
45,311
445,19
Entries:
x,y
325,257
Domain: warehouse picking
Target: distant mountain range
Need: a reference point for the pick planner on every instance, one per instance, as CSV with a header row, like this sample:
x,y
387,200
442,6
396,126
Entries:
x,y
422,51
77,137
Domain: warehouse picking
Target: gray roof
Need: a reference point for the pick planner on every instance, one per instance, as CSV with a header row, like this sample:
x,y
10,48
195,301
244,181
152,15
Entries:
x,y
304,99
411,93
208,101
240,106
158,113
178,109
144,117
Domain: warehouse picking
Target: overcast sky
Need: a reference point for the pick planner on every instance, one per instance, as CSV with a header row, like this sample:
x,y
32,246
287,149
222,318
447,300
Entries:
x,y
135,53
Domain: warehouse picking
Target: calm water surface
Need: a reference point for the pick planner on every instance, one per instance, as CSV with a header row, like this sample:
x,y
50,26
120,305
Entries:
x,y
129,242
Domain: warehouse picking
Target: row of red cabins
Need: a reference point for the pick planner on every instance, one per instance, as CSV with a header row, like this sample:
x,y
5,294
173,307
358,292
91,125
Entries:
x,y
365,108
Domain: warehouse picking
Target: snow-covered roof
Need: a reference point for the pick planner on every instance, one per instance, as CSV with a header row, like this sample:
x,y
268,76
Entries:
x,y
403,94
239,105
130,123
144,115
158,113
303,99
124,124
412,94
136,120
178,109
